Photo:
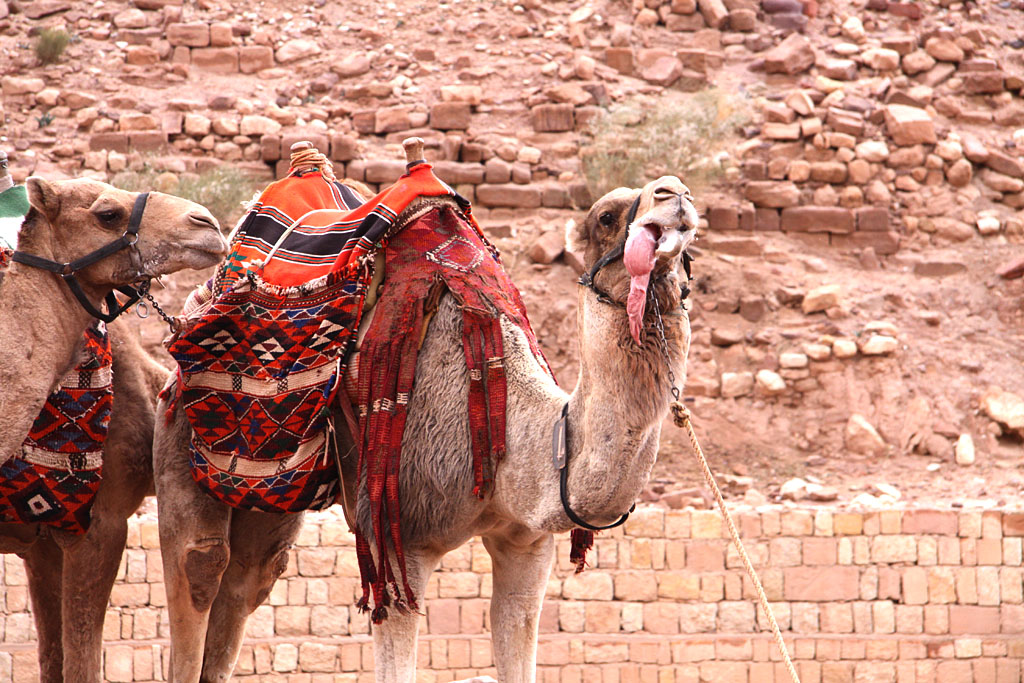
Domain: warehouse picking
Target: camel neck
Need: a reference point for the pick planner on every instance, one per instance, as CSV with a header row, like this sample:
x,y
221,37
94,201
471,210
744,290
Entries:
x,y
41,325
617,408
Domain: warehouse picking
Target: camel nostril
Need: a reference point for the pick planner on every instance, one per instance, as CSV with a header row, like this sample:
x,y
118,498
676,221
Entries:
x,y
203,220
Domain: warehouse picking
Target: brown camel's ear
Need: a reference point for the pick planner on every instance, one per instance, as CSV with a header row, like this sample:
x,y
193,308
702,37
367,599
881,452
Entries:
x,y
576,235
43,197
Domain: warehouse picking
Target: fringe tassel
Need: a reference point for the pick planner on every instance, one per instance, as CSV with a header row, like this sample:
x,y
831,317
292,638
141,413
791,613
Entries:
x,y
172,394
496,392
472,344
582,541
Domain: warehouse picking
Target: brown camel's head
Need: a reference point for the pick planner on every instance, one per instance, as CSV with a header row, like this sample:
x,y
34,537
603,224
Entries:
x,y
665,223
71,218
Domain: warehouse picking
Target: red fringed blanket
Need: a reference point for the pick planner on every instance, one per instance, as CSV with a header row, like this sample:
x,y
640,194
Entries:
x,y
443,250
55,478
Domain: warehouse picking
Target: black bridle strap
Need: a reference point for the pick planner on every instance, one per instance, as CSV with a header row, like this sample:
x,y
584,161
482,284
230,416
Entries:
x,y
68,271
616,252
561,459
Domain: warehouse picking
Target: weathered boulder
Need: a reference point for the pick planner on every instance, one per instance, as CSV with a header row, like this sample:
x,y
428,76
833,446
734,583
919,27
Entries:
x,y
791,56
862,437
909,125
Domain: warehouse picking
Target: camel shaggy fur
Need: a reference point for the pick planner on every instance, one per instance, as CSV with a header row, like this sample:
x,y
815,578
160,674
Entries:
x,y
41,328
220,563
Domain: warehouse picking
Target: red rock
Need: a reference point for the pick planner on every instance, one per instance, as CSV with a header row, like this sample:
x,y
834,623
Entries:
x,y
872,219
509,195
148,141
548,247
791,56
459,173
778,6
685,22
723,218
255,58
909,125
450,115
714,12
1011,269
983,82
141,55
766,219
193,34
391,121
664,71
553,118
771,194
343,148
910,10
1005,164
270,148
115,142
384,170
222,60
620,59
832,219
43,8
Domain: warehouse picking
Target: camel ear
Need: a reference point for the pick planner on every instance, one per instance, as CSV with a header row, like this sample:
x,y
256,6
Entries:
x,y
43,196
575,236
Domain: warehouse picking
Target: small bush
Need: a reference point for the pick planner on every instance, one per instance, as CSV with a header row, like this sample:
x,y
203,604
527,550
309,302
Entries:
x,y
635,142
221,189
51,44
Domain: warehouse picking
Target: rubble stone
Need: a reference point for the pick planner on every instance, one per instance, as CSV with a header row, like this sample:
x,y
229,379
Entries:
x,y
909,125
862,437
792,56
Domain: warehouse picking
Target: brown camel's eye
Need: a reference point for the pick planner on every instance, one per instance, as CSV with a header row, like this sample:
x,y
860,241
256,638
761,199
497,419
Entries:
x,y
108,217
606,219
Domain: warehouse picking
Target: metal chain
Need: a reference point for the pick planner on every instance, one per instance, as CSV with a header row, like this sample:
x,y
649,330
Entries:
x,y
142,310
682,418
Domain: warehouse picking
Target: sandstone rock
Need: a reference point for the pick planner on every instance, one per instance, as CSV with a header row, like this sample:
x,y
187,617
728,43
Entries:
x,y
882,59
1004,407
964,450
792,56
875,151
938,268
781,131
196,125
1000,182
43,8
222,60
916,62
840,69
450,115
572,93
793,489
989,225
853,29
862,437
548,247
770,194
294,50
742,20
1004,164
221,34
793,360
844,348
193,34
14,86
909,125
130,18
357,64
943,49
974,149
821,298
621,59
553,118
255,58
509,195
831,219
141,55
257,126
664,71
1012,269
983,82
952,229
735,384
770,382
879,345
800,102
726,336
714,12
959,174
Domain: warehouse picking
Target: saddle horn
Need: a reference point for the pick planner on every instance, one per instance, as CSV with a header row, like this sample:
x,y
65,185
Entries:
x,y
413,152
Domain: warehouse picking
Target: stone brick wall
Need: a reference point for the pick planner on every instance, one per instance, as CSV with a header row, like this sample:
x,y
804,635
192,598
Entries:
x,y
891,595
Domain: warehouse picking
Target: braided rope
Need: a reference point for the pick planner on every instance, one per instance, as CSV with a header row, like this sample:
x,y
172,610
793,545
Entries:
x,y
312,159
681,417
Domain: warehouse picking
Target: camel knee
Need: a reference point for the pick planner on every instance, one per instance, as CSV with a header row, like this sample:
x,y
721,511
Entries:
x,y
275,564
205,563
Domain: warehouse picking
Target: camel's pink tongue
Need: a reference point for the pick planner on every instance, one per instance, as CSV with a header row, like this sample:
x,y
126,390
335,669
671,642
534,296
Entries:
x,y
639,261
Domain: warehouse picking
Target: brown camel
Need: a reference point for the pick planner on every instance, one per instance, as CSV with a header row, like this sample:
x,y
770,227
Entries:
x,y
41,330
220,564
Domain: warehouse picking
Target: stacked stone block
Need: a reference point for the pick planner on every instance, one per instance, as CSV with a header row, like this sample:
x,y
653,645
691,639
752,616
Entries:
x,y
890,595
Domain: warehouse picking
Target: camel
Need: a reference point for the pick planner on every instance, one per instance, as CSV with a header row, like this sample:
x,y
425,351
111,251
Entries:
x,y
220,563
41,331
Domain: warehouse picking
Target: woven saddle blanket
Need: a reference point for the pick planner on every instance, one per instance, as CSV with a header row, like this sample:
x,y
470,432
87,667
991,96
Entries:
x,y
262,350
55,476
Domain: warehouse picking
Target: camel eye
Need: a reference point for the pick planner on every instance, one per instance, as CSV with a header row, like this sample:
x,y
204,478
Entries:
x,y
108,216
606,219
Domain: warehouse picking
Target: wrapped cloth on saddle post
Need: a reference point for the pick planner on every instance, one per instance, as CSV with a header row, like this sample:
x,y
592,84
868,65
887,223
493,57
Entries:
x,y
262,352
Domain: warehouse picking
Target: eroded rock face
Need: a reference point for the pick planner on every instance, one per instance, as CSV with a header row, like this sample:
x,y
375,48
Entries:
x,y
862,437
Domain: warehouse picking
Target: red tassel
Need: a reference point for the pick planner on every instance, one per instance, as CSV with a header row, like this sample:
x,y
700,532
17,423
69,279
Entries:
x,y
472,345
582,541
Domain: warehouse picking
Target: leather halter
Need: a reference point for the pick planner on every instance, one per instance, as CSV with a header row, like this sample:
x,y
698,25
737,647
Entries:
x,y
561,460
68,270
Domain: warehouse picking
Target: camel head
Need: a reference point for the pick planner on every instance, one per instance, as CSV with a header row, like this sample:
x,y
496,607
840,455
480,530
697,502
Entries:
x,y
69,219
652,239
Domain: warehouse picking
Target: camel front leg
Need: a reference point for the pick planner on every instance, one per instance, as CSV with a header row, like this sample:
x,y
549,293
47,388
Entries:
x,y
394,639
259,555
90,567
520,570
43,562
194,546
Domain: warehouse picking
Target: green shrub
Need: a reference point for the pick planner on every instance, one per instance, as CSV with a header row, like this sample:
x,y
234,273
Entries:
x,y
51,44
631,143
221,189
